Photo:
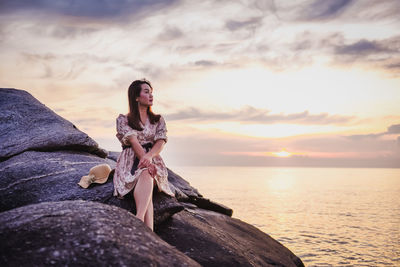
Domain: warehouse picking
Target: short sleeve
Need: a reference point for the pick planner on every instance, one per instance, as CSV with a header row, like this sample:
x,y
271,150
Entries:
x,y
124,131
161,130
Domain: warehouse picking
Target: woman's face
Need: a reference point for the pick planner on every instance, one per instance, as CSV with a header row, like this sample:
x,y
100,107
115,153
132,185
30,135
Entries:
x,y
146,95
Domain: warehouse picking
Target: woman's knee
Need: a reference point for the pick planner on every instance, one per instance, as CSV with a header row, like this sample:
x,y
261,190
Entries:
x,y
145,175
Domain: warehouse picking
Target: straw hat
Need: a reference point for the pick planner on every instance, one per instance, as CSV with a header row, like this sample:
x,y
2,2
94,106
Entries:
x,y
97,174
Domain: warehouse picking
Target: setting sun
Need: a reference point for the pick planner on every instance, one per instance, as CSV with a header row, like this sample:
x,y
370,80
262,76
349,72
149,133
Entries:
x,y
282,154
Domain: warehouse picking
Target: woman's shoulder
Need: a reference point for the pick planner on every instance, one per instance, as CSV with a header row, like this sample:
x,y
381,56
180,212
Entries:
x,y
122,119
161,119
122,116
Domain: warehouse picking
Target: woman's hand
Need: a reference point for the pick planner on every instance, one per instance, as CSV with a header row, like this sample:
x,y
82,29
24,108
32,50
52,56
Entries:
x,y
145,161
152,170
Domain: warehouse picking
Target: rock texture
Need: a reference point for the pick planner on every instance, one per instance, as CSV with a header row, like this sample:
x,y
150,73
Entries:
x,y
34,177
27,124
41,163
213,239
81,233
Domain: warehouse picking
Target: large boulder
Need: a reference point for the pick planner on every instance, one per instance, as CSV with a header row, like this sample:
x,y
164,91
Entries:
x,y
34,177
81,233
27,124
213,239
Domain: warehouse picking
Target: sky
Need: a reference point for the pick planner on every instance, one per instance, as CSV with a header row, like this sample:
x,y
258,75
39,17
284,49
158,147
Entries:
x,y
312,83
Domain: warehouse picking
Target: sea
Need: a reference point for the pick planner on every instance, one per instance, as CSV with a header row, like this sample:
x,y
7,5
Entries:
x,y
326,216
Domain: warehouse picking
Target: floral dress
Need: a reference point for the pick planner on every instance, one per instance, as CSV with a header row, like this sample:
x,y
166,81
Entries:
x,y
124,180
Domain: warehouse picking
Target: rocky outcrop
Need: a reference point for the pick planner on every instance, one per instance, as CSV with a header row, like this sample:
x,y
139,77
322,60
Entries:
x,y
34,177
81,233
47,168
27,124
213,239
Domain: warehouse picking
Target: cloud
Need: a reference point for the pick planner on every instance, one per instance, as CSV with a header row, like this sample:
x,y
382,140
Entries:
x,y
369,47
205,63
63,31
383,53
95,122
372,10
254,115
262,5
341,145
392,129
340,11
60,110
234,25
49,64
324,9
361,48
308,46
207,149
92,9
170,33
38,57
230,44
364,136
393,66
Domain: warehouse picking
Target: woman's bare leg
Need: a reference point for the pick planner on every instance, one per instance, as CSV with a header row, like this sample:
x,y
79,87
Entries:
x,y
148,217
143,193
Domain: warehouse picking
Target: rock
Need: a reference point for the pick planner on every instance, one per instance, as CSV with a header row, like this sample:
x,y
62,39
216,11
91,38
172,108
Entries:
x,y
113,155
186,193
213,239
183,190
81,233
207,204
34,177
27,124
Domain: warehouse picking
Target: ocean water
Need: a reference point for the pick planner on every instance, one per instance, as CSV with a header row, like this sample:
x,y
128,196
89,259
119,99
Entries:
x,y
326,216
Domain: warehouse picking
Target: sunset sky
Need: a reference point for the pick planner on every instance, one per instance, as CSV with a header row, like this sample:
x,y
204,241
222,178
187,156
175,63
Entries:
x,y
264,83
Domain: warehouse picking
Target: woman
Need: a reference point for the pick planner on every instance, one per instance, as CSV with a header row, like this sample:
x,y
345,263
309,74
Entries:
x,y
143,135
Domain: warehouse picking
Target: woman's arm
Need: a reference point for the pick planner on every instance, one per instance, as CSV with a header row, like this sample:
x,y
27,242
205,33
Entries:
x,y
157,147
145,161
137,148
155,150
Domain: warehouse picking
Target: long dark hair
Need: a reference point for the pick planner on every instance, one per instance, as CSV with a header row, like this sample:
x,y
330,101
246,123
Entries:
x,y
133,116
